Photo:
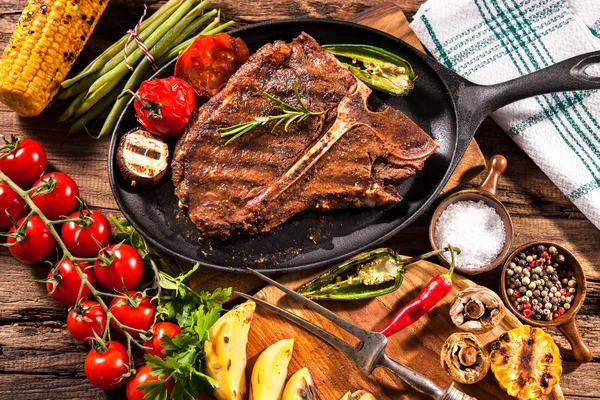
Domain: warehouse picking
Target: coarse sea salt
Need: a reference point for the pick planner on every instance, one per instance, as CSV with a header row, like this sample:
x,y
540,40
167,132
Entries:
x,y
475,228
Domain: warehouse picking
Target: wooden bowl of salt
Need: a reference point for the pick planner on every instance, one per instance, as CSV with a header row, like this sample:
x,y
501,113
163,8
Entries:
x,y
475,221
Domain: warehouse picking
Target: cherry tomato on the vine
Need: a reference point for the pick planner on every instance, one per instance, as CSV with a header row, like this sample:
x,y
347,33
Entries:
x,y
37,245
61,200
105,369
126,268
86,241
142,376
86,319
63,282
139,317
208,63
164,106
25,163
12,203
154,344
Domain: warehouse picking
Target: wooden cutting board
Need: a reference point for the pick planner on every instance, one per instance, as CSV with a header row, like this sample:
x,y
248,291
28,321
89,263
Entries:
x,y
418,346
389,18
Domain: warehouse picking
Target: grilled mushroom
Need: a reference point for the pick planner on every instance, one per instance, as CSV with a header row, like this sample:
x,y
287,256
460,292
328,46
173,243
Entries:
x,y
477,309
464,358
143,158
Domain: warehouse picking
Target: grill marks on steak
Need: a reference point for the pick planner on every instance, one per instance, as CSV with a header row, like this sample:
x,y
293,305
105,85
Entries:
x,y
261,179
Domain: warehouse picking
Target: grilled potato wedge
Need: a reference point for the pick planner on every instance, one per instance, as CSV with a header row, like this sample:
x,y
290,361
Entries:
x,y
300,386
358,395
270,371
226,352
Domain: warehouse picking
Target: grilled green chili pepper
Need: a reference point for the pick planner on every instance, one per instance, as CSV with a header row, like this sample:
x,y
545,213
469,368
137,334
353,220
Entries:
x,y
364,276
377,68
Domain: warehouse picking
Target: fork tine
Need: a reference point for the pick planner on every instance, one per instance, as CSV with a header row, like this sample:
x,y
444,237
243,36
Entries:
x,y
349,327
323,334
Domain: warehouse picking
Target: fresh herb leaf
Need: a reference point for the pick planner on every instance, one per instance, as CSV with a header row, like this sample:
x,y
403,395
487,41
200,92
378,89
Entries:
x,y
287,113
185,355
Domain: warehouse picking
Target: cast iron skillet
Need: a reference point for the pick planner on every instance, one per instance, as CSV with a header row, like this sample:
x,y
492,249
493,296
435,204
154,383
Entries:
x,y
446,106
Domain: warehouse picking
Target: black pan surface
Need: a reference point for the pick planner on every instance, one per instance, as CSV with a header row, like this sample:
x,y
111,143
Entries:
x,y
311,239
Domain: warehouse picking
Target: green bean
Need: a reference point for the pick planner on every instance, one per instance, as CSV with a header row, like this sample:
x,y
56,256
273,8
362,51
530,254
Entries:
x,y
80,87
194,26
141,72
133,58
70,111
174,52
116,48
218,29
96,110
107,82
132,84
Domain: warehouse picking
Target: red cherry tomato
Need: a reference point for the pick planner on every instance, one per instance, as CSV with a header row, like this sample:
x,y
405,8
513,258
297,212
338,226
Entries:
x,y
64,282
165,106
208,63
139,317
38,244
63,198
85,243
105,369
143,375
25,163
126,269
154,344
12,203
86,319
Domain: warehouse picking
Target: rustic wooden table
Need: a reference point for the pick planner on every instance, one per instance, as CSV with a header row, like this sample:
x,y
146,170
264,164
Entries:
x,y
39,360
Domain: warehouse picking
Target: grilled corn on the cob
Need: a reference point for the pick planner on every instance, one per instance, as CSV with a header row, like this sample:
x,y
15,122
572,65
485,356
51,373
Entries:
x,y
42,49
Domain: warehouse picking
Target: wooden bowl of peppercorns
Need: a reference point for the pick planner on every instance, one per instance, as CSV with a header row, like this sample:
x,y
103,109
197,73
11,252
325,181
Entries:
x,y
544,285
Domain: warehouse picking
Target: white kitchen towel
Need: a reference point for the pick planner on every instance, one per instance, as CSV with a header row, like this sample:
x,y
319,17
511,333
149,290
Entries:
x,y
491,41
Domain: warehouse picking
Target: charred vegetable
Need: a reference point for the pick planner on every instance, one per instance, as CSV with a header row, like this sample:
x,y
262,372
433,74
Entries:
x,y
435,290
477,309
142,158
364,276
358,395
300,387
226,352
464,358
526,362
377,68
270,371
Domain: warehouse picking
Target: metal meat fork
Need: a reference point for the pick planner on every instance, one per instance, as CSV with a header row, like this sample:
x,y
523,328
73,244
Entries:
x,y
369,355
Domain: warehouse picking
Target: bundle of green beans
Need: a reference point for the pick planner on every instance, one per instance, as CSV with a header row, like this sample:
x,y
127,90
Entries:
x,y
99,90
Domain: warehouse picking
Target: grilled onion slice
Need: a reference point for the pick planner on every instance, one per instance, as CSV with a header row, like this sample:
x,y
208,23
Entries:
x,y
142,158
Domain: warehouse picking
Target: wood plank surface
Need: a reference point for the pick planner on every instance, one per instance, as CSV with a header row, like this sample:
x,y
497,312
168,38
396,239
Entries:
x,y
31,325
418,345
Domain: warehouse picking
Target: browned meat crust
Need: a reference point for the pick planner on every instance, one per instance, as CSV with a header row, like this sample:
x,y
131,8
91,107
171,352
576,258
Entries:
x,y
241,188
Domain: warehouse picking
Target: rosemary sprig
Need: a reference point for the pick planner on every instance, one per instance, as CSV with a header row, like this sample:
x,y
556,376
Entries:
x,y
289,114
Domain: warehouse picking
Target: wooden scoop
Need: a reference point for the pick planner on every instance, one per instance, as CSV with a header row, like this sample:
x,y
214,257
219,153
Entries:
x,y
486,192
566,323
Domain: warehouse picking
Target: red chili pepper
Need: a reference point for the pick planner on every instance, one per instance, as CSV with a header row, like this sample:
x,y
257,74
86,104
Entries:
x,y
435,290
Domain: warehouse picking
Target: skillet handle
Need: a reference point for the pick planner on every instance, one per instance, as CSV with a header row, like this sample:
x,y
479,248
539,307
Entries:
x,y
567,75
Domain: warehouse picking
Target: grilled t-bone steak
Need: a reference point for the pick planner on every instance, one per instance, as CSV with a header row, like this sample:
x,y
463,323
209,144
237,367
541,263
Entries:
x,y
346,157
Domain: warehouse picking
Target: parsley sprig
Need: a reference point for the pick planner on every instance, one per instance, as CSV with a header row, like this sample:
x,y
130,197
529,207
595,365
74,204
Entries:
x,y
288,115
195,312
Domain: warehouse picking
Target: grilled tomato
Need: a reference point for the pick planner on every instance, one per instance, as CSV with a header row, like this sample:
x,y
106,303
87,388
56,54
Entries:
x,y
526,362
209,61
